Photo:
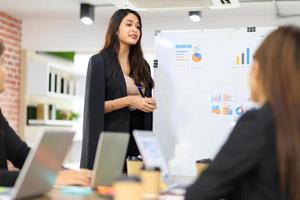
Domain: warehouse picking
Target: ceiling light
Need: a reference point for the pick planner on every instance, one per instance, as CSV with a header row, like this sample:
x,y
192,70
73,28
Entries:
x,y
195,16
87,13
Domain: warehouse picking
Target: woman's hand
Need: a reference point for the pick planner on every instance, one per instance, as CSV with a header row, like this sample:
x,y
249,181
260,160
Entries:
x,y
144,104
80,177
11,167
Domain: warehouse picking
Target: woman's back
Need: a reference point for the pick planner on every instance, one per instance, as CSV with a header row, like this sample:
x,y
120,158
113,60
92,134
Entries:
x,y
246,167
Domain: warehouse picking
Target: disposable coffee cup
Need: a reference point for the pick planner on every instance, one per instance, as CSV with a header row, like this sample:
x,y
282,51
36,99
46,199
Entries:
x,y
150,182
127,188
134,165
201,165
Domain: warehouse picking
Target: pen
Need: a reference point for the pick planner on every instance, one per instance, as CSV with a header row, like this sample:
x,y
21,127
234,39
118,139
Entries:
x,y
140,90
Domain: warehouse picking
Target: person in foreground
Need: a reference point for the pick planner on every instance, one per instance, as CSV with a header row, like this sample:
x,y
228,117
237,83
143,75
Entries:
x,y
12,148
261,158
118,86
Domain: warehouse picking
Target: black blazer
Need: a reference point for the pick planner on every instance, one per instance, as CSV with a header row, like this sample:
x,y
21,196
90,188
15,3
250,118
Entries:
x,y
246,166
11,148
104,81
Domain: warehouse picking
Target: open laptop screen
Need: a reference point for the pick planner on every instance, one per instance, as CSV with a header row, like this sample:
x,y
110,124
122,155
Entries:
x,y
42,164
110,156
151,151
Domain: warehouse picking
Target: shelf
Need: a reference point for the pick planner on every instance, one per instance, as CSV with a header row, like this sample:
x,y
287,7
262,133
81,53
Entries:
x,y
53,95
61,82
63,96
60,64
68,69
66,123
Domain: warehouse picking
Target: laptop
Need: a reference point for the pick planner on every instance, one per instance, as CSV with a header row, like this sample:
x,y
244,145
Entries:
x,y
108,164
153,157
110,158
41,166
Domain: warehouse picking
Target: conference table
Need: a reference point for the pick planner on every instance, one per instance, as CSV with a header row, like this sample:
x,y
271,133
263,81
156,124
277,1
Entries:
x,y
67,193
58,194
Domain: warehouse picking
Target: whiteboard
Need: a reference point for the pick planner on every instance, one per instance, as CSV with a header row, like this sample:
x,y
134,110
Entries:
x,y
201,89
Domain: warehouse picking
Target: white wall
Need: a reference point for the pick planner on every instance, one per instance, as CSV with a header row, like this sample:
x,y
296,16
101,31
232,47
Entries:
x,y
61,35
71,34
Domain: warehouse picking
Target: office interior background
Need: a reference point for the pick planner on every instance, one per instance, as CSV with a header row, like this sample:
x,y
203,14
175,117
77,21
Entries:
x,y
46,42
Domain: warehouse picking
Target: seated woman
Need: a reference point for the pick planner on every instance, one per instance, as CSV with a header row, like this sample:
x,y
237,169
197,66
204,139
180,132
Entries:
x,y
12,148
261,158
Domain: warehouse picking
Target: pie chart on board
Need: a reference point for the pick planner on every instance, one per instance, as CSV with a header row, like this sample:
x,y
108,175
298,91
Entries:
x,y
196,57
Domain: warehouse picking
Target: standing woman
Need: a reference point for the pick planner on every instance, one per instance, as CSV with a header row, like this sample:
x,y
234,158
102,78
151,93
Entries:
x,y
117,79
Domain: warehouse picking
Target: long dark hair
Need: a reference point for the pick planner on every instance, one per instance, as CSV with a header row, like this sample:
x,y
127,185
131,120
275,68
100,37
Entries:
x,y
279,70
139,68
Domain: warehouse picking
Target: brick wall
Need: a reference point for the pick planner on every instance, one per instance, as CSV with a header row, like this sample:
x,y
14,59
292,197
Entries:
x,y
10,33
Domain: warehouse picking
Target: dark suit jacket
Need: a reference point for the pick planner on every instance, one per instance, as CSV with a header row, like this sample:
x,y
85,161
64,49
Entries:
x,y
11,148
105,81
246,166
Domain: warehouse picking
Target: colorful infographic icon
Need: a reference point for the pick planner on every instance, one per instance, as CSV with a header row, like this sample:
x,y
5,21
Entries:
x,y
196,57
240,110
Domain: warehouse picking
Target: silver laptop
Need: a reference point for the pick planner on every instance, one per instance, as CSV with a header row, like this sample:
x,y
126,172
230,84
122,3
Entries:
x,y
153,157
110,157
42,165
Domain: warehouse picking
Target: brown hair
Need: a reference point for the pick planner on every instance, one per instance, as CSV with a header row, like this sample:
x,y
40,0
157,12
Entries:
x,y
1,48
139,69
279,70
